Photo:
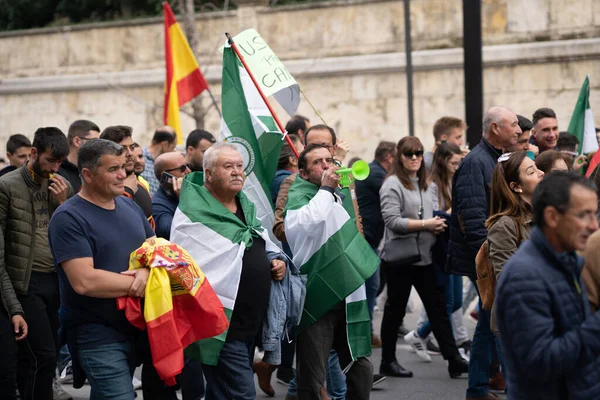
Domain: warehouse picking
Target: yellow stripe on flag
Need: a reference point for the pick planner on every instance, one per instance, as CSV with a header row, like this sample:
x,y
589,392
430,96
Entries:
x,y
158,301
184,62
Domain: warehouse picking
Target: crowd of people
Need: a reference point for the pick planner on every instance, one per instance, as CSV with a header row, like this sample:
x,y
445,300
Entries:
x,y
74,207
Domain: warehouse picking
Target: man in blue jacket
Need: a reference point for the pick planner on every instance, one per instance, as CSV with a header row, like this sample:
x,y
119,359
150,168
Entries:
x,y
550,337
470,208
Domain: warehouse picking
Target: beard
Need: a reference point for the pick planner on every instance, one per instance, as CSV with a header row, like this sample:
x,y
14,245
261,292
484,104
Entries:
x,y
35,166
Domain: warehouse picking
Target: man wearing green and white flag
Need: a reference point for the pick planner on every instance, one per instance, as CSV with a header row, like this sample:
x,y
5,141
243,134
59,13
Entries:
x,y
248,124
217,224
321,231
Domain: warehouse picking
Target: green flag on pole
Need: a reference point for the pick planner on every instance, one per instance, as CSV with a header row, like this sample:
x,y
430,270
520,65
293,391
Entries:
x,y
248,124
582,121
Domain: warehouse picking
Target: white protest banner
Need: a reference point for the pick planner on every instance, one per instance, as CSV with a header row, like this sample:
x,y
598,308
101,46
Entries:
x,y
269,71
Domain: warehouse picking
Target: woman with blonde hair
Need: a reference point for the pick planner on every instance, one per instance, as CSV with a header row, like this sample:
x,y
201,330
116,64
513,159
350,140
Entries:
x,y
409,235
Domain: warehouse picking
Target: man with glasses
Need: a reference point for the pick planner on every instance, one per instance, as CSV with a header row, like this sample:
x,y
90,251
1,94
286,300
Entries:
x,y
166,198
548,331
134,189
79,133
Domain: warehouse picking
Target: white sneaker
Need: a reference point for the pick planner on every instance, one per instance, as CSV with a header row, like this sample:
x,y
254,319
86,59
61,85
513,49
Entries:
x,y
66,376
58,392
419,345
137,384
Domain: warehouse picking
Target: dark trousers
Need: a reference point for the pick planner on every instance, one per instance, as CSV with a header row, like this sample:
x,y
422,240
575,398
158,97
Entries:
x,y
312,352
8,365
232,377
37,352
288,349
400,279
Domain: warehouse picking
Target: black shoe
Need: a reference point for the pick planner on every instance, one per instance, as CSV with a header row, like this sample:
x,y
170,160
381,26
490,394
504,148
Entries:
x,y
402,331
378,378
394,369
433,349
457,366
285,375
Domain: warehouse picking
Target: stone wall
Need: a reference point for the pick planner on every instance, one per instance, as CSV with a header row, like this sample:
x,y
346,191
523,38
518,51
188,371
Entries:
x,y
347,56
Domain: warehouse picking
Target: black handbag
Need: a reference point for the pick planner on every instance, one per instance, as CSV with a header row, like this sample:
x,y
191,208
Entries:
x,y
404,250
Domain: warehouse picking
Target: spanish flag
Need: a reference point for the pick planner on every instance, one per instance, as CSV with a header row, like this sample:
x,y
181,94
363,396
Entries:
x,y
180,306
184,80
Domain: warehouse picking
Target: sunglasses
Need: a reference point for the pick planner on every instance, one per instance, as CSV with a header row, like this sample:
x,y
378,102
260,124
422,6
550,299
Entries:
x,y
410,154
181,168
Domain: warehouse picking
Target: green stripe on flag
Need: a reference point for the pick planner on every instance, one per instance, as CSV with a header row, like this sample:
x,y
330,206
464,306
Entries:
x,y
269,123
359,328
337,269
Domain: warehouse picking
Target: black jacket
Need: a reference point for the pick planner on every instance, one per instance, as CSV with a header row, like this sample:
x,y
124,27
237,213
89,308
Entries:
x,y
70,172
471,188
367,193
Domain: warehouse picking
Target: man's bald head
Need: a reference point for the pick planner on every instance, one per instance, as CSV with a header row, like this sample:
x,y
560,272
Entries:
x,y
501,127
169,162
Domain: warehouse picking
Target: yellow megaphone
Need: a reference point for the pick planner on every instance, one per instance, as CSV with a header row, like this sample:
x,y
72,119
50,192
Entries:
x,y
360,170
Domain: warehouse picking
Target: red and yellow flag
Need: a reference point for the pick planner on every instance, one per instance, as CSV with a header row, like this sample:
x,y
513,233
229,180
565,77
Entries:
x,y
184,80
180,306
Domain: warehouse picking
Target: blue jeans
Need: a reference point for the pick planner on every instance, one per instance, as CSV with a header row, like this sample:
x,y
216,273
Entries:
x,y
372,287
485,344
232,377
336,380
109,369
453,294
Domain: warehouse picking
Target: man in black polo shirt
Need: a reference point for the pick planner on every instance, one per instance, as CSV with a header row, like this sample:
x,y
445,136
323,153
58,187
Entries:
x,y
79,133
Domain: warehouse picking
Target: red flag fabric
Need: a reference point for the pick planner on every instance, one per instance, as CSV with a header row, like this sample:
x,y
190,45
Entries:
x,y
184,81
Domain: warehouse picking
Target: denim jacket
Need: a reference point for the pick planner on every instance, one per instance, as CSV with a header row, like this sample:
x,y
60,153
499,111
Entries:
x,y
286,302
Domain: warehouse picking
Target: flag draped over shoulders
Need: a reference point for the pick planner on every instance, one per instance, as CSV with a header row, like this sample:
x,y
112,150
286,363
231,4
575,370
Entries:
x,y
216,239
326,244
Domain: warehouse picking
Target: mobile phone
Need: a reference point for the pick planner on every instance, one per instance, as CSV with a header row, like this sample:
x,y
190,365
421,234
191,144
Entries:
x,y
166,181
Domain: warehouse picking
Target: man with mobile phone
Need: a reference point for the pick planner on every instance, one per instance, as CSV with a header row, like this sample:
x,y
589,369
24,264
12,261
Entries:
x,y
170,169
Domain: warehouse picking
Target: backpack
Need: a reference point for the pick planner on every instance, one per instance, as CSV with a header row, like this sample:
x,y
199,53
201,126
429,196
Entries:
x,y
486,278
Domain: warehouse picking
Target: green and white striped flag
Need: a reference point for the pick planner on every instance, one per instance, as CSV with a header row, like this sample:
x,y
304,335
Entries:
x,y
216,239
582,121
327,246
248,124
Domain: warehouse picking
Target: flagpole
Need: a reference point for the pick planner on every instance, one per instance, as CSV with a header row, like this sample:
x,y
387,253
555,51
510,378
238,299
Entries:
x,y
214,102
279,124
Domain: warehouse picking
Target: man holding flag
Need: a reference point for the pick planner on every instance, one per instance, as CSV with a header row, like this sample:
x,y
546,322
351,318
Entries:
x,y
321,231
217,224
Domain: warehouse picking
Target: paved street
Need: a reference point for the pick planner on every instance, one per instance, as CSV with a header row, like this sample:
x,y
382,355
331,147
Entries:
x,y
431,381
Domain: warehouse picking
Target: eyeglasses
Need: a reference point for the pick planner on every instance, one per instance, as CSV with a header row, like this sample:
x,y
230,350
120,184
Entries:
x,y
410,154
87,138
181,168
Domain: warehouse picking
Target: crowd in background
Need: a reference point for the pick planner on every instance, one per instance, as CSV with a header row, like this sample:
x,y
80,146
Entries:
x,y
73,207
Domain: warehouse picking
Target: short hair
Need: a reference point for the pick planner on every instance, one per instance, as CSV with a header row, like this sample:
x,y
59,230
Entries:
x,y
211,155
567,141
81,128
384,149
445,125
287,152
524,123
163,135
53,139
297,123
196,136
16,141
91,152
302,161
542,113
116,133
545,160
320,127
493,115
555,190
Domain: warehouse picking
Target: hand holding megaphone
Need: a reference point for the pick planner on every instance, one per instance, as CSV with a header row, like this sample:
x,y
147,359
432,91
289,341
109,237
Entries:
x,y
360,170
